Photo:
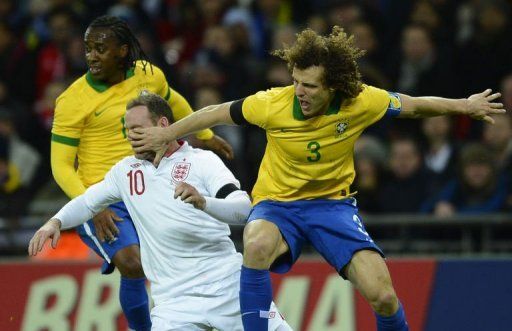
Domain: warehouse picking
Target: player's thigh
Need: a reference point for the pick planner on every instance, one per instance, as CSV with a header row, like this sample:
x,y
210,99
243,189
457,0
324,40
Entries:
x,y
263,237
108,249
222,306
336,231
183,313
368,272
160,323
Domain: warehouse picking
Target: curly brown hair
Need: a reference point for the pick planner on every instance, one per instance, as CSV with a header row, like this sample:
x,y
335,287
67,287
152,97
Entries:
x,y
335,52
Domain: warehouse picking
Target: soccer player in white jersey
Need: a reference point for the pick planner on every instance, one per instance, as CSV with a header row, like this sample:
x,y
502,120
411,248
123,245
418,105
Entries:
x,y
180,211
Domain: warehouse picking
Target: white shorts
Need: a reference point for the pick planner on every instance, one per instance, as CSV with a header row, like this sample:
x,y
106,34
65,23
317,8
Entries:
x,y
213,306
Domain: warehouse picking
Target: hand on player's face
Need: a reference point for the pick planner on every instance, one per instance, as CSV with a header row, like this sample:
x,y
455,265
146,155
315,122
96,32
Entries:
x,y
189,194
146,143
104,223
149,139
50,229
480,106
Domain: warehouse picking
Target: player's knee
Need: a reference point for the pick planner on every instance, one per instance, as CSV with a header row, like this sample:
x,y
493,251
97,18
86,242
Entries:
x,y
130,266
259,251
384,302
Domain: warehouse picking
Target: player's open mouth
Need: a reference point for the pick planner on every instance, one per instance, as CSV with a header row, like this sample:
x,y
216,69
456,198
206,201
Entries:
x,y
304,104
94,69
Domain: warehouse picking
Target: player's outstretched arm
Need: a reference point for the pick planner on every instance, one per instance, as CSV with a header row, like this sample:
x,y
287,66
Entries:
x,y
233,209
180,109
156,139
50,230
479,106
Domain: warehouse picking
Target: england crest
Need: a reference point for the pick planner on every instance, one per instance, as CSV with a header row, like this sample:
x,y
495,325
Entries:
x,y
180,171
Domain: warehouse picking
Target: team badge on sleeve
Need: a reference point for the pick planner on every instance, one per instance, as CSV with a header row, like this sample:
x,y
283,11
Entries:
x,y
395,104
180,171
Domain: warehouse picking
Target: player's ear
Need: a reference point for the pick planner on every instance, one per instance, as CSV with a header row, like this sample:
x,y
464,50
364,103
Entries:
x,y
163,122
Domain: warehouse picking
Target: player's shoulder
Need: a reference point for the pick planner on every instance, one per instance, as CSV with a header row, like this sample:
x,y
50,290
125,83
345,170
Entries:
x,y
203,157
370,94
74,92
127,163
276,94
369,91
128,160
147,69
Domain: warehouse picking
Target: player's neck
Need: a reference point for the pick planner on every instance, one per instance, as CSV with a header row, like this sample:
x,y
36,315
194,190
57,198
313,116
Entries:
x,y
116,78
173,147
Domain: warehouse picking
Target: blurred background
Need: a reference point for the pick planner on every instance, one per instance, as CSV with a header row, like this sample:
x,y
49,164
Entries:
x,y
438,188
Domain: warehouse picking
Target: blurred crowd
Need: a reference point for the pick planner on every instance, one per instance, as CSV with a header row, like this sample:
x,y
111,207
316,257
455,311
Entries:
x,y
218,50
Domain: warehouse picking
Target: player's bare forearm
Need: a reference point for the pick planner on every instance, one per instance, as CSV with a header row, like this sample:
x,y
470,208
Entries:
x,y
479,106
419,107
147,139
204,118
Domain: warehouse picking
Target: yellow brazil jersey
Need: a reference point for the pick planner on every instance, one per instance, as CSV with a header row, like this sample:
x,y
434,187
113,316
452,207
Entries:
x,y
310,158
90,116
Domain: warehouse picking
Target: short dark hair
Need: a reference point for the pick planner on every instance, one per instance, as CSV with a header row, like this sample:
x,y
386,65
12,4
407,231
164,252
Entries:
x,y
335,52
156,105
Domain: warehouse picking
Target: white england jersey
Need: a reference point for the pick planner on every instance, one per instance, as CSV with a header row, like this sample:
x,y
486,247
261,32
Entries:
x,y
182,248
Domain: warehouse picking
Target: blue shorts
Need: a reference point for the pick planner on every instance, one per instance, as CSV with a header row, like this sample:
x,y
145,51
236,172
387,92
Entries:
x,y
333,227
127,237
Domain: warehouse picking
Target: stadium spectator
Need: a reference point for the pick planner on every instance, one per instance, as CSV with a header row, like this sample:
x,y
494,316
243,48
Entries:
x,y
16,60
440,153
45,106
52,60
477,190
488,44
421,70
9,183
370,158
25,162
371,64
506,92
498,139
408,183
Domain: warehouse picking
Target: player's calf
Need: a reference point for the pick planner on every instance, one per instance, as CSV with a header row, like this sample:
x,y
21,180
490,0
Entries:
x,y
127,260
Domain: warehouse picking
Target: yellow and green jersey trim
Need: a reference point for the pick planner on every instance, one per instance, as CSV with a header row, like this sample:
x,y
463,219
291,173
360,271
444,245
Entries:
x,y
65,140
334,107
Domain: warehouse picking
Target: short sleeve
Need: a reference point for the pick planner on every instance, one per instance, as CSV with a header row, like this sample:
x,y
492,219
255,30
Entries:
x,y
215,174
255,108
68,122
380,102
161,86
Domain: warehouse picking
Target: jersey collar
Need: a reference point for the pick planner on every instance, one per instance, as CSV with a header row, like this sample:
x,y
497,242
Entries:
x,y
334,107
183,144
100,86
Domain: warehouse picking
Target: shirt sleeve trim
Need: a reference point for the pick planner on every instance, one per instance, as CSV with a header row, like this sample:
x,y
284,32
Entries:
x,y
168,95
65,140
235,110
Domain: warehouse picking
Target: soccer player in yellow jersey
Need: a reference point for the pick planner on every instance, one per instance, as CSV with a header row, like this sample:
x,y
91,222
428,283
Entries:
x,y
89,127
302,193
